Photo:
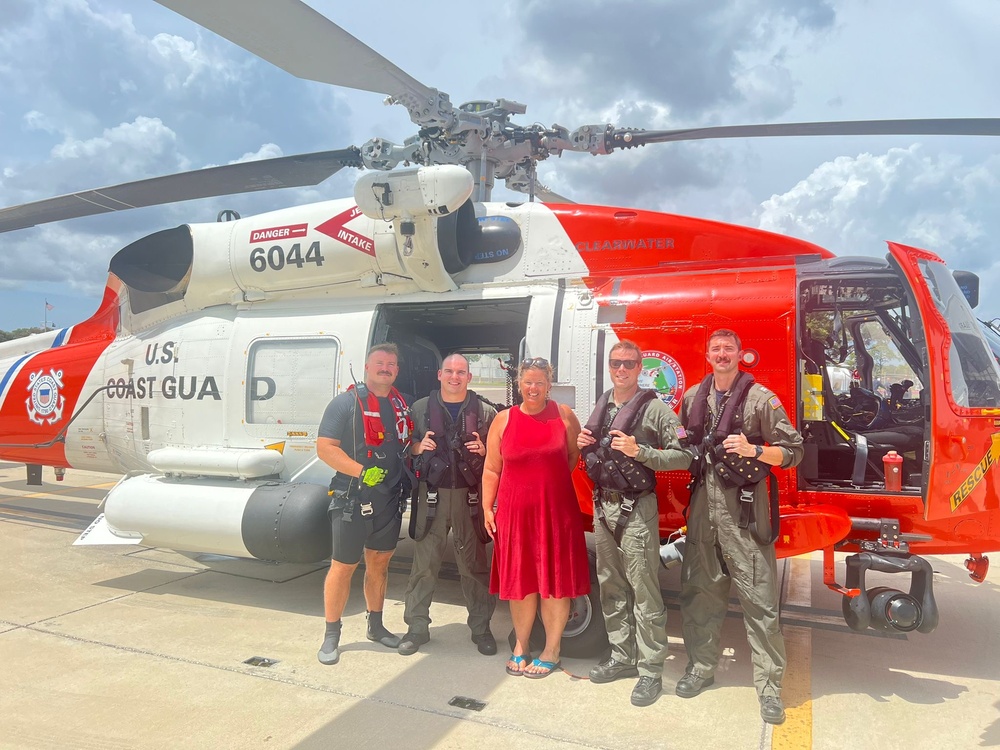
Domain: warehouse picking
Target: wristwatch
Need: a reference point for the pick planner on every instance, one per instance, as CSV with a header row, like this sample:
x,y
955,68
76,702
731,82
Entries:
x,y
758,451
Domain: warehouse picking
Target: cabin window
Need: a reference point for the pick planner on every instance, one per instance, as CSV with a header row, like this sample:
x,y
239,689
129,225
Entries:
x,y
290,381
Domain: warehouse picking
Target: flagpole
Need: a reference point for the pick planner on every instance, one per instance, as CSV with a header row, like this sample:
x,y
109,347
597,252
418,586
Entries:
x,y
46,321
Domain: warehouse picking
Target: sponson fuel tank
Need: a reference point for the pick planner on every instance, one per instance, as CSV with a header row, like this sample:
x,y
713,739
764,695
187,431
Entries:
x,y
277,521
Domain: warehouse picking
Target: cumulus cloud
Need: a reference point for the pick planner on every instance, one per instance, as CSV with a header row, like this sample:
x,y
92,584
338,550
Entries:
x,y
59,254
128,151
691,55
852,205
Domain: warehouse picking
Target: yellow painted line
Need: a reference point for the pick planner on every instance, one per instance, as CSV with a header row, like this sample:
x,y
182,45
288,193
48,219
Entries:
x,y
796,689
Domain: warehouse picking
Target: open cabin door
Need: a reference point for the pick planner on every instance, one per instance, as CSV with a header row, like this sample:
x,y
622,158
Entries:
x,y
964,384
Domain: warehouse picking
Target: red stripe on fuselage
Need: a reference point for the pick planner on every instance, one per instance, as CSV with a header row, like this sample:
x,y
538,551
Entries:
x,y
45,392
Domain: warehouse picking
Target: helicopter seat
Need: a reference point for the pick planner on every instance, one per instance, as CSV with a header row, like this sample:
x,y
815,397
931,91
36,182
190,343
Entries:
x,y
855,452
902,438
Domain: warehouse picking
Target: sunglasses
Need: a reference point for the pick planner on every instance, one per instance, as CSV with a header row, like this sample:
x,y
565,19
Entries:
x,y
535,362
628,364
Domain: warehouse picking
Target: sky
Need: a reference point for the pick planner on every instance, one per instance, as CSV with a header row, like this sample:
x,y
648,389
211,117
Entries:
x,y
99,92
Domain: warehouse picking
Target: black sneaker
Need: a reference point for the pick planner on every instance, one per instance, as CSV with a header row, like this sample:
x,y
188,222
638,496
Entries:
x,y
611,670
771,709
691,684
412,642
486,643
646,691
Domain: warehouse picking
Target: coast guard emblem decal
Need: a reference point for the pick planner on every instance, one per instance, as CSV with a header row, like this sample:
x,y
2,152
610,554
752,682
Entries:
x,y
45,400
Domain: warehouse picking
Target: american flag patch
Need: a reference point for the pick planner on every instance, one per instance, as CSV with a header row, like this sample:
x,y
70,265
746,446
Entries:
x,y
774,402
681,432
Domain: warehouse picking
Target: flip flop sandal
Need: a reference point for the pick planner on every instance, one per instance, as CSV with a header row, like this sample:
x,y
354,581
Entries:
x,y
518,659
550,666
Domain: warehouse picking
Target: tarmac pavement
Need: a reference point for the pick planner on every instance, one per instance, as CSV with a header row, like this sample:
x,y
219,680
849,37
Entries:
x,y
125,647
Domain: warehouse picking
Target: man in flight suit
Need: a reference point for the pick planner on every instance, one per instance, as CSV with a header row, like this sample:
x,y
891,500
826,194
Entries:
x,y
719,551
362,437
454,406
628,531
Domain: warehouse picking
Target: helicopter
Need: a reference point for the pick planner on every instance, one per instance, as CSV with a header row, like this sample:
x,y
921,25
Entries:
x,y
203,373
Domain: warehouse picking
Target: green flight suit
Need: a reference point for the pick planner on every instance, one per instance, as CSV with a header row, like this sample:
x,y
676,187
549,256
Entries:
x,y
452,514
719,552
634,614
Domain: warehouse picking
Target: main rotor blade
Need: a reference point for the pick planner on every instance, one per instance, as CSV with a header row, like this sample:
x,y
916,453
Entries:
x,y
545,195
245,177
959,126
302,41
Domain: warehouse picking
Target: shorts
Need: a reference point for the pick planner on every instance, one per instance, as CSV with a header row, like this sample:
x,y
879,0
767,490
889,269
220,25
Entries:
x,y
352,538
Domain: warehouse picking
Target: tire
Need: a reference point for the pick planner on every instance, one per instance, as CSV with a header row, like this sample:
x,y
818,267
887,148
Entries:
x,y
585,635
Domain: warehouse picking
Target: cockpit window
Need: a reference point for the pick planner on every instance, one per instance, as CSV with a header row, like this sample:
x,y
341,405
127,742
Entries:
x,y
992,339
974,375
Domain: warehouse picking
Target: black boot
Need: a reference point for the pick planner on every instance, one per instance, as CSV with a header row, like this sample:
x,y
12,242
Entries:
x,y
771,709
378,633
329,652
646,691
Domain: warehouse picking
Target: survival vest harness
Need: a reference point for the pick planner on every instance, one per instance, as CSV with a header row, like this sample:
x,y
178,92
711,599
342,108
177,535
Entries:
x,y
450,465
375,434
372,416
612,470
734,471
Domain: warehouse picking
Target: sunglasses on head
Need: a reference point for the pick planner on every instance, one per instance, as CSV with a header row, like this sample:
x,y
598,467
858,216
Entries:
x,y
628,364
535,362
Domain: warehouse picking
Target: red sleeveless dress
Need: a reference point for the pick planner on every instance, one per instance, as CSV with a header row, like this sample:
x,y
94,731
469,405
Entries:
x,y
539,545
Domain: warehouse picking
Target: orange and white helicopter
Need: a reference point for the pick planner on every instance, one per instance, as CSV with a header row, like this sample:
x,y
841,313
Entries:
x,y
204,372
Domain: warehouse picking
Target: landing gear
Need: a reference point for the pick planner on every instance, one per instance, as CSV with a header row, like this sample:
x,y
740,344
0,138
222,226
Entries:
x,y
977,565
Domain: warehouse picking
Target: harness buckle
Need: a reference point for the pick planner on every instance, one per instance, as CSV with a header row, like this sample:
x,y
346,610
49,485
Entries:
x,y
627,504
432,497
367,509
473,498
746,507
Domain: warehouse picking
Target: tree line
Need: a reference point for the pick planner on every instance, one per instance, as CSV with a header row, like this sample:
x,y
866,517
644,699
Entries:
x,y
18,333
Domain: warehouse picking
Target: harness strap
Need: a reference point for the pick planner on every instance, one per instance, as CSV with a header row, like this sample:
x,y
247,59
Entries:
x,y
773,512
729,416
748,517
473,503
625,508
627,417
475,508
746,505
430,515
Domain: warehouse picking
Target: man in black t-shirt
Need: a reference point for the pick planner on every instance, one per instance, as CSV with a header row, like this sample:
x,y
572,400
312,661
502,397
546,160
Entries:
x,y
362,436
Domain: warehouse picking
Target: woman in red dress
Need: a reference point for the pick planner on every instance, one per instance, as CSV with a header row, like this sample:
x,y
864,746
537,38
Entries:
x,y
539,555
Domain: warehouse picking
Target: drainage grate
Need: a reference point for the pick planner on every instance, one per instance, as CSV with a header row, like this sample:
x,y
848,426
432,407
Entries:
x,y
260,661
470,704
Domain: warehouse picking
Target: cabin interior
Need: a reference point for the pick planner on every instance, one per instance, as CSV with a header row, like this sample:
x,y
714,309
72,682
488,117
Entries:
x,y
427,332
862,368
